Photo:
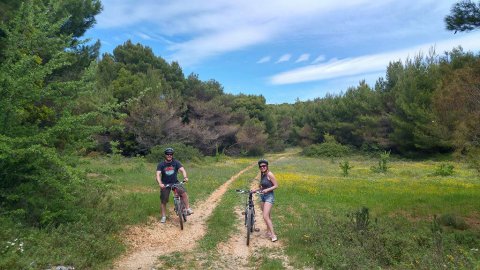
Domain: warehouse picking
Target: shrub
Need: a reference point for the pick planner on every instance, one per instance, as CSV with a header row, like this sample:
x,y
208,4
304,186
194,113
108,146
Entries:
x,y
329,148
345,166
382,163
360,219
453,221
182,152
444,169
38,188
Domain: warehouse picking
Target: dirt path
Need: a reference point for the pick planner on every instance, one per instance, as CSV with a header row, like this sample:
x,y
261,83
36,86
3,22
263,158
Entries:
x,y
146,243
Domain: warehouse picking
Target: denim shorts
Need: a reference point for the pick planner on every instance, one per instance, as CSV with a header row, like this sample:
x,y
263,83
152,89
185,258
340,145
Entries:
x,y
267,197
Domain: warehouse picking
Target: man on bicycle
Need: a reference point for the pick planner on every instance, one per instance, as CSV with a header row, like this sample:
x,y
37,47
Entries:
x,y
167,174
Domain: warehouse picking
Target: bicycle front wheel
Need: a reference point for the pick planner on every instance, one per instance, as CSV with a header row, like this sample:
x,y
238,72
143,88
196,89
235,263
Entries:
x,y
180,213
249,224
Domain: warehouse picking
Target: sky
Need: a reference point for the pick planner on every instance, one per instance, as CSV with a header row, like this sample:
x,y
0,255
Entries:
x,y
283,50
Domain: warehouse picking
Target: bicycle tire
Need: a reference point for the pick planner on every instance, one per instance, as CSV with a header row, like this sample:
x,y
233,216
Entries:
x,y
252,220
249,225
184,215
180,213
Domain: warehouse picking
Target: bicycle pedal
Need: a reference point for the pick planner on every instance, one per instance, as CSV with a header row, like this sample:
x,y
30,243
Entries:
x,y
243,213
257,229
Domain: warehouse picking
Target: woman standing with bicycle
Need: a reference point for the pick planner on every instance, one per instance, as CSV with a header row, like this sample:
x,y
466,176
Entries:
x,y
268,183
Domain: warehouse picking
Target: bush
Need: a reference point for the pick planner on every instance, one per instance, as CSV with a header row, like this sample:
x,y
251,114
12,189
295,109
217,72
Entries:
x,y
444,170
382,163
453,221
38,188
345,166
183,152
329,148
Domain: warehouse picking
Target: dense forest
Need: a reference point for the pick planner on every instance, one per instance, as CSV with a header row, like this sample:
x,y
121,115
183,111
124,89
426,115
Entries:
x,y
61,99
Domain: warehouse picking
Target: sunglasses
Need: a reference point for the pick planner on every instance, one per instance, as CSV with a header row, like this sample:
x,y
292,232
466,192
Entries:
x,y
168,154
262,166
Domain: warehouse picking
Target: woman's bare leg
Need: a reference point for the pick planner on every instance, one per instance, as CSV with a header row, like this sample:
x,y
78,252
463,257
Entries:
x,y
266,209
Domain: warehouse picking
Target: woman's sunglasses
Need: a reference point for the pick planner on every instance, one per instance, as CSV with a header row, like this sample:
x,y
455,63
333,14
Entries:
x,y
262,166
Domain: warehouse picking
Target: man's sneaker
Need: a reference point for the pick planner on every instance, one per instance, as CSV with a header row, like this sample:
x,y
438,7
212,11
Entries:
x,y
189,211
163,219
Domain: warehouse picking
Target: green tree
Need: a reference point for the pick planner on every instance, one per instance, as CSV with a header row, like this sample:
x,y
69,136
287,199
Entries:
x,y
464,16
131,75
40,119
414,121
254,105
196,89
457,100
34,49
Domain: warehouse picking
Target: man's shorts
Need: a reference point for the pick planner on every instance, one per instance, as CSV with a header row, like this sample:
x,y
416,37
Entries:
x,y
165,193
267,197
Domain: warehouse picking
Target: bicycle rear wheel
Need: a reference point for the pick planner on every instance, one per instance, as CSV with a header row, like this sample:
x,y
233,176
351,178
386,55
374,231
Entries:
x,y
249,214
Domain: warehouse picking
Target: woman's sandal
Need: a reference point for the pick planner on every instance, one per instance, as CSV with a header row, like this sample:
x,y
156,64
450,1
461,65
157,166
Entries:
x,y
274,238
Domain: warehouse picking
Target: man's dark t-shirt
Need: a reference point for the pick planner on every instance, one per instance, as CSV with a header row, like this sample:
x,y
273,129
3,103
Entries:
x,y
169,171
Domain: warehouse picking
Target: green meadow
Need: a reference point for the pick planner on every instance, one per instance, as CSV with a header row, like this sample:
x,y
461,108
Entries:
x,y
408,217
405,218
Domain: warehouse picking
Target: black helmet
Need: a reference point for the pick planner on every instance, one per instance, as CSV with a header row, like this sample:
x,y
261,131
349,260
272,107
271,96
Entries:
x,y
262,161
169,151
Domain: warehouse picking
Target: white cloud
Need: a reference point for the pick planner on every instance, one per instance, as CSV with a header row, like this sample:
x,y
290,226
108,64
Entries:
x,y
197,49
302,58
284,58
264,60
211,14
319,59
368,63
203,29
144,36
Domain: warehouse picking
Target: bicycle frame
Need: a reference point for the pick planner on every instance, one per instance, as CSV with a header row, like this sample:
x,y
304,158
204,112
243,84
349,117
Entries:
x,y
249,213
179,206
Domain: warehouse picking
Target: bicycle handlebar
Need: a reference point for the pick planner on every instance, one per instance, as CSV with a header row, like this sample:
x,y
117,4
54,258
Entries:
x,y
180,183
247,191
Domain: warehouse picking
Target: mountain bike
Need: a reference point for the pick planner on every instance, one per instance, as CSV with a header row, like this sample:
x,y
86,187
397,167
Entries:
x,y
179,206
249,212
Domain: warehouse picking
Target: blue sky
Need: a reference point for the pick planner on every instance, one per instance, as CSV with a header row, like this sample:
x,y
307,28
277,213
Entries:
x,y
283,50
